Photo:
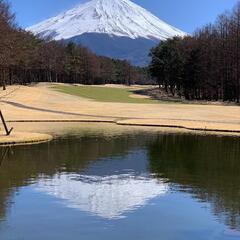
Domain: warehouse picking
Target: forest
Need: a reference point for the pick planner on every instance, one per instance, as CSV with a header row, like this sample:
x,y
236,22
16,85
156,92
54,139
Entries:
x,y
25,58
204,66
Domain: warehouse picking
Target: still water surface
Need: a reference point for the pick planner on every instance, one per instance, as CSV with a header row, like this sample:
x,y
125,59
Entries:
x,y
131,186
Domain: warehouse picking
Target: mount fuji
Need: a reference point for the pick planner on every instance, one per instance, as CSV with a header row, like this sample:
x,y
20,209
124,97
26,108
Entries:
x,y
114,28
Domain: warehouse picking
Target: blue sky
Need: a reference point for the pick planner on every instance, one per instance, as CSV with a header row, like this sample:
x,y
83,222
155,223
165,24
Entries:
x,y
184,14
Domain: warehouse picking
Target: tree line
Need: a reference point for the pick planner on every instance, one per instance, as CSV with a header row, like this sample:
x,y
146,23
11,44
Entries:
x,y
25,58
204,66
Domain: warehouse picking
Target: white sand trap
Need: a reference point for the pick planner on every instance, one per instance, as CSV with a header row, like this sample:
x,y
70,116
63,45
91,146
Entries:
x,y
138,96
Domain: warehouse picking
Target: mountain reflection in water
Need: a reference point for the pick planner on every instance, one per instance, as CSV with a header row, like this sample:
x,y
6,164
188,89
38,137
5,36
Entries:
x,y
110,177
103,196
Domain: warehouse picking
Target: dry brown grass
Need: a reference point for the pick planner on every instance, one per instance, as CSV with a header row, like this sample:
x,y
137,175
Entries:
x,y
41,103
19,138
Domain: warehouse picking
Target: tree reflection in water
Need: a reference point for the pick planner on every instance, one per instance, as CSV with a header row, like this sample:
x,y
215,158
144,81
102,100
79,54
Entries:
x,y
207,167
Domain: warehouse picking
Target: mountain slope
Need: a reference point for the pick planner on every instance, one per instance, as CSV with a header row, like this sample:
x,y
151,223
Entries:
x,y
134,50
112,18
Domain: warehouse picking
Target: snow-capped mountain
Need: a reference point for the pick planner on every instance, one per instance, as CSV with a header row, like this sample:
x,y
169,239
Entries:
x,y
105,21
121,18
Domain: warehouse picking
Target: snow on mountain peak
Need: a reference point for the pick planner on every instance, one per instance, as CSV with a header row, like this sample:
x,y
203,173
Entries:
x,y
121,18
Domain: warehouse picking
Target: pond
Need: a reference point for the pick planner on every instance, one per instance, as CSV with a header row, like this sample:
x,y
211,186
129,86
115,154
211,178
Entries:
x,y
131,186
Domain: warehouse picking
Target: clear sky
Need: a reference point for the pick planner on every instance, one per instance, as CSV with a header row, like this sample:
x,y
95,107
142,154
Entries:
x,y
184,14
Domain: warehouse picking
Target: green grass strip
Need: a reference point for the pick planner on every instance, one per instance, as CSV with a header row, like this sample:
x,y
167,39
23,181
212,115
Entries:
x,y
104,94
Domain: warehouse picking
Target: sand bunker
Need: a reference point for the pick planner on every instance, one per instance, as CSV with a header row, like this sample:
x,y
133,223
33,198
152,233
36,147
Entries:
x,y
137,96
